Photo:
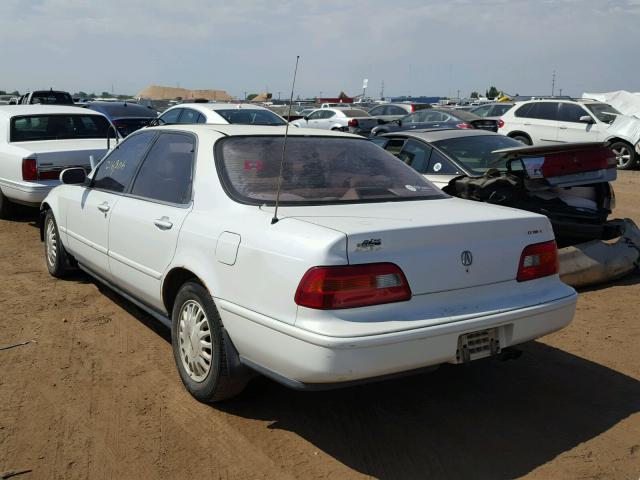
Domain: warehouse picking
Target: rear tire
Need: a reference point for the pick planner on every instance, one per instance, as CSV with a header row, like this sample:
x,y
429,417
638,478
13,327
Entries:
x,y
6,207
522,138
199,346
625,155
58,261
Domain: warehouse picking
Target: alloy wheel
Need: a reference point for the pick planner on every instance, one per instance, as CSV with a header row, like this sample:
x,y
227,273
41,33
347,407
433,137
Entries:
x,y
623,155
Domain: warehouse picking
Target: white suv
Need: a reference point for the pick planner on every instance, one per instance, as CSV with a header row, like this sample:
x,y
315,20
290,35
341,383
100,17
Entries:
x,y
558,121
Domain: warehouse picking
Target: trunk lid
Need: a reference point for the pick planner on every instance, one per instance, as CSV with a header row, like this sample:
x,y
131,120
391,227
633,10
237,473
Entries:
x,y
56,155
565,165
440,245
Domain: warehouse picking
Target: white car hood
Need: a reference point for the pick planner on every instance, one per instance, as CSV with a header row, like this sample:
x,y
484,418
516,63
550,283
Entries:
x,y
625,127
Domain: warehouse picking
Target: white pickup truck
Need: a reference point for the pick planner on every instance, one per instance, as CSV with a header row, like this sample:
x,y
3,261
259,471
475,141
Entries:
x,y
38,141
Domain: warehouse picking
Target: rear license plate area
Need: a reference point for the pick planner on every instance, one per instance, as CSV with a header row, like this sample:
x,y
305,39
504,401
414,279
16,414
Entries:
x,y
480,344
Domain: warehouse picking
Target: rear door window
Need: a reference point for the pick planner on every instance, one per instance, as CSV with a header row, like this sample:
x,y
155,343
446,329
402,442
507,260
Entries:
x,y
416,155
544,111
117,170
167,171
441,165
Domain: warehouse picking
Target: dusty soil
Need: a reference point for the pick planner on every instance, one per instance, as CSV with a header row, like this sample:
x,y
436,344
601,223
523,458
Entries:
x,y
96,395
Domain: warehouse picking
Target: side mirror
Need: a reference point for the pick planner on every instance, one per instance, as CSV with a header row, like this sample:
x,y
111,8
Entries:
x,y
306,118
586,119
73,176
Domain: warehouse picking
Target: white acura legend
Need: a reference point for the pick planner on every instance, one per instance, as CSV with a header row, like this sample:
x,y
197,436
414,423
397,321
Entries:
x,y
368,270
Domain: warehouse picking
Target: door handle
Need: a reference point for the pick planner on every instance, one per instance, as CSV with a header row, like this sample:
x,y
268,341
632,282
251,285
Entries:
x,y
527,124
562,127
163,223
104,207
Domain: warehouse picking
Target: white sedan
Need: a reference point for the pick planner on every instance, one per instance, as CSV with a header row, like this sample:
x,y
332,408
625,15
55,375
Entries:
x,y
219,114
351,120
368,270
38,141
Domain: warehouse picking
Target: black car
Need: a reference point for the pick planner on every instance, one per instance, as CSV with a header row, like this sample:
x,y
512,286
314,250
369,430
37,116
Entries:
x,y
569,183
127,117
437,118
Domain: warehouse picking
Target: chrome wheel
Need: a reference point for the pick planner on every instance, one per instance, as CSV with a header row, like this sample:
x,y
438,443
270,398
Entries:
x,y
195,341
623,155
51,244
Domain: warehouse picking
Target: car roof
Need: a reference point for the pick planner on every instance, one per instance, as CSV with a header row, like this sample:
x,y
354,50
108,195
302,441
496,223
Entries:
x,y
433,135
8,111
217,106
249,130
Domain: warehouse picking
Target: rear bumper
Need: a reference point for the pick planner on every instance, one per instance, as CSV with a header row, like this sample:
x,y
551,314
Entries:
x,y
303,359
27,193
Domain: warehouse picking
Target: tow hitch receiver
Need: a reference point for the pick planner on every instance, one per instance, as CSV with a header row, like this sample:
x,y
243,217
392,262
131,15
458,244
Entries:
x,y
475,345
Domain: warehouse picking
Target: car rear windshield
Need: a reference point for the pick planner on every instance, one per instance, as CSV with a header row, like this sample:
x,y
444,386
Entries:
x,y
605,113
52,98
57,127
316,171
355,113
475,153
247,116
123,111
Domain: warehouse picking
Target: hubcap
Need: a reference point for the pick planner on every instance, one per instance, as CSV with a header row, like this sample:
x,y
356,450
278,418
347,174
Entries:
x,y
51,243
623,155
195,341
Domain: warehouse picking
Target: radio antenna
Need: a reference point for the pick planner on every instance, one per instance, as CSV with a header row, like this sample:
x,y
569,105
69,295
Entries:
x,y
284,145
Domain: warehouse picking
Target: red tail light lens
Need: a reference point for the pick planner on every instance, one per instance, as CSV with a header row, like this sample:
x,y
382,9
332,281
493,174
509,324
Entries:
x,y
464,125
413,108
576,161
538,260
331,288
500,123
29,169
353,122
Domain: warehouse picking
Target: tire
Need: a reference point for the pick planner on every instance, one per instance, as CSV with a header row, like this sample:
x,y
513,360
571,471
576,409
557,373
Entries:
x,y
6,207
58,261
522,138
207,380
625,155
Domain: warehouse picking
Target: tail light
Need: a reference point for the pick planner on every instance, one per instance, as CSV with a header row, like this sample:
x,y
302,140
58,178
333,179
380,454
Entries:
x,y
500,123
538,260
413,108
464,125
353,122
29,169
331,288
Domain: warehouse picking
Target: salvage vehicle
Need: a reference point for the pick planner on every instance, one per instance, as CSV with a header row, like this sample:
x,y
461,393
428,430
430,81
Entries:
x,y
338,265
127,117
570,183
437,118
352,120
219,114
544,122
37,142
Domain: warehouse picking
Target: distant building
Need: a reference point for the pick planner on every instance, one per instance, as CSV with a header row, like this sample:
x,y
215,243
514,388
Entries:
x,y
156,92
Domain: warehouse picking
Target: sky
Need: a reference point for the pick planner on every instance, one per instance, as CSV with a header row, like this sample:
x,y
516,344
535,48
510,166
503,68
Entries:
x,y
416,47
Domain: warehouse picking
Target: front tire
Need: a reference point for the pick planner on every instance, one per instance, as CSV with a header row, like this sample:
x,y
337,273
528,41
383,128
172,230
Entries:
x,y
199,346
56,257
625,155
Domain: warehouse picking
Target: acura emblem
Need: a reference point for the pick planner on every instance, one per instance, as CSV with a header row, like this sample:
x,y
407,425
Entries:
x,y
466,258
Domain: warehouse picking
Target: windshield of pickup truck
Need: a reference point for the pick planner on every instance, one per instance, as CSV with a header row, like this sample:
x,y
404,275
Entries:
x,y
31,128
475,153
316,171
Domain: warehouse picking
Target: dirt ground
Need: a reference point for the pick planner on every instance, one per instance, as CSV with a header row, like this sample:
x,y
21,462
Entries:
x,y
95,395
